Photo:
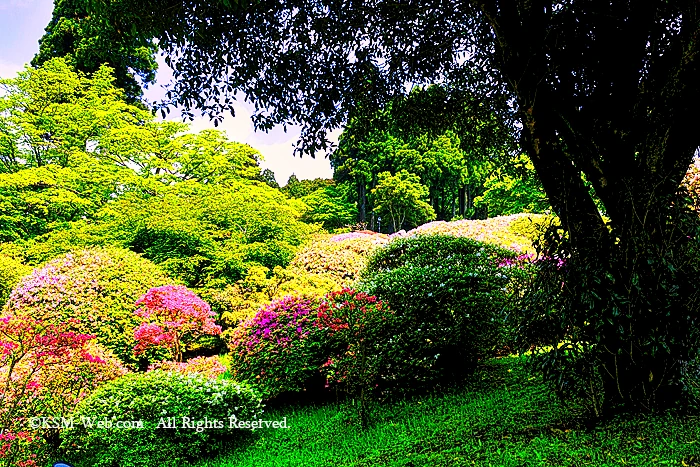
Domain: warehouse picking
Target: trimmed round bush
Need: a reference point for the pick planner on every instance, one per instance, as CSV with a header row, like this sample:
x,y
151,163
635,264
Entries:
x,y
95,290
449,295
298,343
357,328
341,257
173,410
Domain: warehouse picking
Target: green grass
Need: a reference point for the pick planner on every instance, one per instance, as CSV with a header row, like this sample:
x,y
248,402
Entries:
x,y
504,418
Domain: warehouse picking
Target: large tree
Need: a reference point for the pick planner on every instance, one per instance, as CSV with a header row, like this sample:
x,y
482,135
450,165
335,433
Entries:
x,y
606,94
74,34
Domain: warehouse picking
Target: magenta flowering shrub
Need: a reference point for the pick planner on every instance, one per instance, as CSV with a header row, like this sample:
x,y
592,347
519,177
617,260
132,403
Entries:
x,y
45,370
211,367
280,348
173,317
94,290
298,343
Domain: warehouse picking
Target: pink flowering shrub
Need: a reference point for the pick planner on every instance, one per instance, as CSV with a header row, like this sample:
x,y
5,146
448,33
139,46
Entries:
x,y
173,317
45,369
211,367
278,349
94,290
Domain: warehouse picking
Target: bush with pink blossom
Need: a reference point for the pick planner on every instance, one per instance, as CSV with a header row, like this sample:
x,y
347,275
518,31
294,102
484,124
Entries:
x,y
94,290
45,370
172,317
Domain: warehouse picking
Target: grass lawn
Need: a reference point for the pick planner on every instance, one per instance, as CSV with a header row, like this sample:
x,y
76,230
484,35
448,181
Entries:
x,y
503,418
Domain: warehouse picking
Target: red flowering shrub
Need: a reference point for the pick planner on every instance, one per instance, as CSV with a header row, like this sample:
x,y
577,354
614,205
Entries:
x,y
45,369
173,317
359,327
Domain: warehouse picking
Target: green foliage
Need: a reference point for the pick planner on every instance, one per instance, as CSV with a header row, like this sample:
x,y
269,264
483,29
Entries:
x,y
98,287
153,398
11,271
575,309
532,226
328,207
449,295
399,198
75,34
268,176
240,301
513,189
296,188
55,115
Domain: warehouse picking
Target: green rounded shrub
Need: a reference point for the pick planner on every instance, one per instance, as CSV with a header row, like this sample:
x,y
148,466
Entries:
x,y
449,296
182,417
96,290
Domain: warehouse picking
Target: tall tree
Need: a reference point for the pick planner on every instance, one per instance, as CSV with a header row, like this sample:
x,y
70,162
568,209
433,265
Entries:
x,y
400,199
605,93
76,35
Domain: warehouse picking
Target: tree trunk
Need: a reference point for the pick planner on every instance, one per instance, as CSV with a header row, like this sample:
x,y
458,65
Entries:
x,y
461,194
361,202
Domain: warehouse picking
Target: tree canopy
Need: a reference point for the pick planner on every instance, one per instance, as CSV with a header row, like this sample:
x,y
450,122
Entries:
x,y
605,95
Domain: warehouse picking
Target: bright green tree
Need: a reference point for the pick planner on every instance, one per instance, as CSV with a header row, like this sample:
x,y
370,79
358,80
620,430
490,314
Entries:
x,y
513,189
329,207
400,199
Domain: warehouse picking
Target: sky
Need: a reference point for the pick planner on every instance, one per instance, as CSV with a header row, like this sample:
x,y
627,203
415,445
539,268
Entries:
x,y
22,24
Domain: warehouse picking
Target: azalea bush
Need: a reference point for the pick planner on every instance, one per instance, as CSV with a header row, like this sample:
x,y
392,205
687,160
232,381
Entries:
x,y
173,316
359,330
450,296
299,343
357,327
93,290
280,348
158,398
341,257
45,369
